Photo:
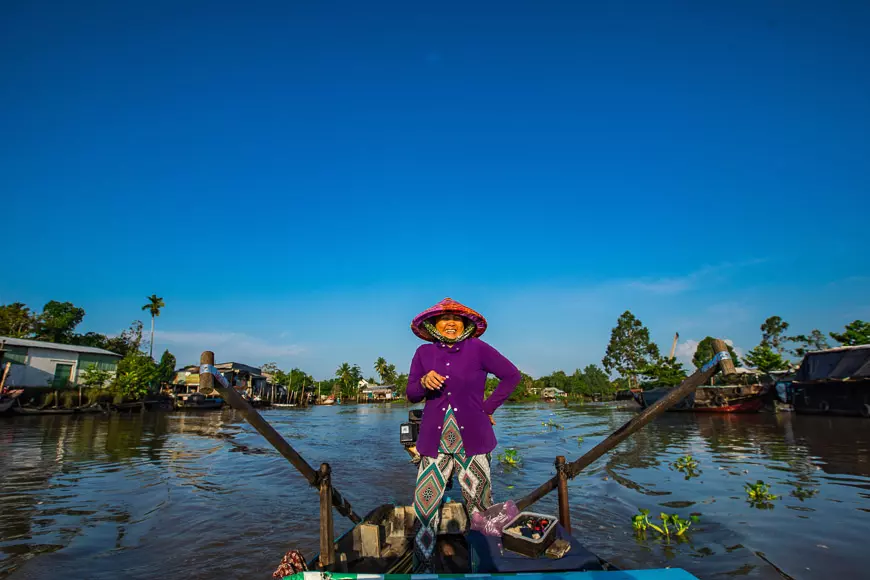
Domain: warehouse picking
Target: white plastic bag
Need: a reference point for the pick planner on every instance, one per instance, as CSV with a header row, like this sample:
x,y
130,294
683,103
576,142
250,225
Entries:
x,y
492,521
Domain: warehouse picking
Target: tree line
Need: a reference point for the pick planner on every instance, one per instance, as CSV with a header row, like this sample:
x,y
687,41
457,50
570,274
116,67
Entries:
x,y
57,322
637,360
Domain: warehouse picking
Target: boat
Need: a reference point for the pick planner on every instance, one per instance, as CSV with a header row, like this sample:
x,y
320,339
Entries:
x,y
835,381
328,401
8,398
199,402
382,544
744,391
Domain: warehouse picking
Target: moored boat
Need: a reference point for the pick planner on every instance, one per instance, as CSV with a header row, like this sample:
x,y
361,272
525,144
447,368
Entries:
x,y
834,381
744,391
199,402
8,398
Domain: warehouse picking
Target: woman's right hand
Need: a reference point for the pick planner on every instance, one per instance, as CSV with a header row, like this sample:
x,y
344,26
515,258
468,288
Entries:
x,y
432,381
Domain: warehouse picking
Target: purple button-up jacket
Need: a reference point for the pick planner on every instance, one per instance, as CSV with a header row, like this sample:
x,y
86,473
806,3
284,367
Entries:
x,y
464,366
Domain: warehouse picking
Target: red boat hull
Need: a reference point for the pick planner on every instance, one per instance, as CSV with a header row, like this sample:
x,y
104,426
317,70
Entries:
x,y
750,406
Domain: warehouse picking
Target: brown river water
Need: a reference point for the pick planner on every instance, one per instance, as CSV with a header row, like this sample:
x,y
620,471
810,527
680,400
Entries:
x,y
173,495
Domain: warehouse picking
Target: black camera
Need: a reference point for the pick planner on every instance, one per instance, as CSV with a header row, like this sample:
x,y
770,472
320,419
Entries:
x,y
409,431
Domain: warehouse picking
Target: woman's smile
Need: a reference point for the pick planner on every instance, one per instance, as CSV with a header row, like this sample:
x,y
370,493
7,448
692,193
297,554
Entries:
x,y
450,325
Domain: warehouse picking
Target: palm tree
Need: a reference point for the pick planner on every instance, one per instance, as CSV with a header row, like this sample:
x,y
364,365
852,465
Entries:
x,y
154,305
344,373
382,368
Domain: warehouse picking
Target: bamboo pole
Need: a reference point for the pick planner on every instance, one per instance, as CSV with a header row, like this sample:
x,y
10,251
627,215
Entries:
x,y
5,374
674,345
720,359
206,380
564,508
268,432
327,533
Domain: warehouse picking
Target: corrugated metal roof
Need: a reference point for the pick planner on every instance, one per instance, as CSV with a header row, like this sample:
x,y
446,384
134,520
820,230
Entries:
x,y
55,346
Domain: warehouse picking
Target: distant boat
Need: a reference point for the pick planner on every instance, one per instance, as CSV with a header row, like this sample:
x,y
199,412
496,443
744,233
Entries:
x,y
328,401
199,402
744,392
8,399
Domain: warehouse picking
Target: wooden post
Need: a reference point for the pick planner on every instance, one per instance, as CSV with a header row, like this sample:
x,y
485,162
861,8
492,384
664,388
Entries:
x,y
206,380
721,359
5,374
327,538
564,508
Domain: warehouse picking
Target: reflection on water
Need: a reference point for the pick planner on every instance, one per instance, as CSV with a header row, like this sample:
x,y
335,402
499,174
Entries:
x,y
191,495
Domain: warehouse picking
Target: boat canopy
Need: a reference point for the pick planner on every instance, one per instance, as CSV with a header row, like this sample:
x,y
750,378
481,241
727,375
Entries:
x,y
837,363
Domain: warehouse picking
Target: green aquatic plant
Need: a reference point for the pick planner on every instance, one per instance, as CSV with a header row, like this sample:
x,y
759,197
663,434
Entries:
x,y
759,495
685,462
579,439
687,465
509,457
552,424
641,523
680,524
803,493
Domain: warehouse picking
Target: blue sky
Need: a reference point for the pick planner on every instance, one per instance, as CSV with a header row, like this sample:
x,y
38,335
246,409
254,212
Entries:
x,y
297,180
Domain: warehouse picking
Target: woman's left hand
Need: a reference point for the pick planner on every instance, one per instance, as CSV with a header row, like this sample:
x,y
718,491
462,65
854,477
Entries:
x,y
491,420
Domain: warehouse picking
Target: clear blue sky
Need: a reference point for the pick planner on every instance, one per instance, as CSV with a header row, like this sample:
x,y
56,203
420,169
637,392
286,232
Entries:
x,y
298,179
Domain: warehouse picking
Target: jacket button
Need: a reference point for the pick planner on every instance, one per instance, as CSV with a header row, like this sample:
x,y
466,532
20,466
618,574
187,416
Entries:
x,y
461,428
455,410
448,364
443,408
448,394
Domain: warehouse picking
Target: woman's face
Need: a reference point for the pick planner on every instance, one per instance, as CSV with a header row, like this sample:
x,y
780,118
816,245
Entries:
x,y
450,325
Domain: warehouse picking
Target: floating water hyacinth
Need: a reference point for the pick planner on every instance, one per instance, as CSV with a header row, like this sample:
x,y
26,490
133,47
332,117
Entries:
x,y
759,495
552,424
509,457
641,523
687,465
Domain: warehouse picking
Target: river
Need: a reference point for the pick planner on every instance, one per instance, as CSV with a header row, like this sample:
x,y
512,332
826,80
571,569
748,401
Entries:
x,y
174,495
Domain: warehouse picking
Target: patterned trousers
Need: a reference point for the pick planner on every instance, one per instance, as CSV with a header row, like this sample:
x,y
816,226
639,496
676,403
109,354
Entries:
x,y
432,477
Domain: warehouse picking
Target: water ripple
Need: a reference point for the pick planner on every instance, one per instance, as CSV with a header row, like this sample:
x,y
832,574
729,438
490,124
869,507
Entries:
x,y
97,497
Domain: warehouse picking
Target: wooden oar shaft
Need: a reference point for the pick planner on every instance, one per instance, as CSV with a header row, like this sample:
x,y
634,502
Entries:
x,y
210,378
721,359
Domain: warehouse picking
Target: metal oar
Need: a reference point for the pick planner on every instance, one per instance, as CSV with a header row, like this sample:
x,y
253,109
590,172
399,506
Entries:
x,y
210,378
721,359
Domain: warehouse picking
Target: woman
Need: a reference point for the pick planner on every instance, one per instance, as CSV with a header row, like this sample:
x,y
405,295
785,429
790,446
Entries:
x,y
456,431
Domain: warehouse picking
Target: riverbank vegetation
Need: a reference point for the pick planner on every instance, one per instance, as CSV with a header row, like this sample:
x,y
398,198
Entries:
x,y
137,374
638,362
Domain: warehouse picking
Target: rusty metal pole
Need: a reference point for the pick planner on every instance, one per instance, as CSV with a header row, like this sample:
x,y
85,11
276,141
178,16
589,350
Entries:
x,y
327,534
564,508
206,380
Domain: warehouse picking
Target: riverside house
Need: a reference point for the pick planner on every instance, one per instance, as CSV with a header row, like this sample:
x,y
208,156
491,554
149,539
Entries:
x,y
373,393
47,364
